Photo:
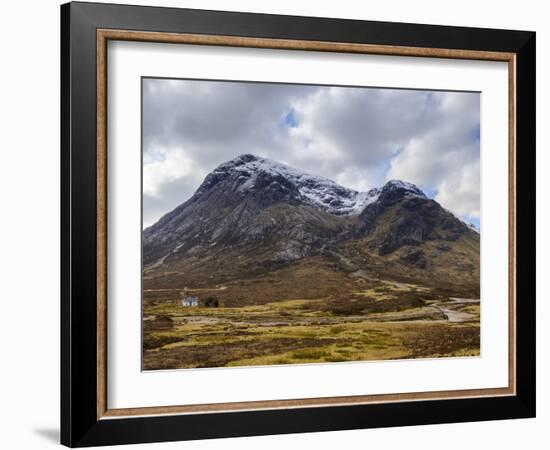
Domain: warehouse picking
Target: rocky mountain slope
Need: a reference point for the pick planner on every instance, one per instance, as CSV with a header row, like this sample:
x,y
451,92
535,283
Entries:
x,y
252,216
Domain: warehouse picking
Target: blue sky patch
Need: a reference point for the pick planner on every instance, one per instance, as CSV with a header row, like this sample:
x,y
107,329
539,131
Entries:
x,y
290,120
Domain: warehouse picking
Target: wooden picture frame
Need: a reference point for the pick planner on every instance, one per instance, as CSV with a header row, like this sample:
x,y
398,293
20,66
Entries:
x,y
86,418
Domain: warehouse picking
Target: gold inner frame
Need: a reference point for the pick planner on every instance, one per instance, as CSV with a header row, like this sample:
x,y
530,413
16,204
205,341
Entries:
x,y
104,35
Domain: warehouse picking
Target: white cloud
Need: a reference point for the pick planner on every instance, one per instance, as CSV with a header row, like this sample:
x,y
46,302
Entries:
x,y
174,164
356,131
445,159
459,191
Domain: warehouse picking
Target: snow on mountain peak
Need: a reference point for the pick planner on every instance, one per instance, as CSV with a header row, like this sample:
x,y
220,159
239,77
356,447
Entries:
x,y
403,186
318,191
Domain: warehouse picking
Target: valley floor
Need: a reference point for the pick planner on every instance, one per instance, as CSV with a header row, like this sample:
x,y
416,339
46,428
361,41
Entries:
x,y
383,320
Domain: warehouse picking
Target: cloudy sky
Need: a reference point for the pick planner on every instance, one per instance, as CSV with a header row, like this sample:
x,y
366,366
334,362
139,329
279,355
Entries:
x,y
358,137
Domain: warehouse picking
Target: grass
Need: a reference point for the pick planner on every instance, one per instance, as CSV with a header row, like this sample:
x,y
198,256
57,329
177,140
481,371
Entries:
x,y
289,332
471,309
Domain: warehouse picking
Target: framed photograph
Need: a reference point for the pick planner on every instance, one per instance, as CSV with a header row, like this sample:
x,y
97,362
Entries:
x,y
277,224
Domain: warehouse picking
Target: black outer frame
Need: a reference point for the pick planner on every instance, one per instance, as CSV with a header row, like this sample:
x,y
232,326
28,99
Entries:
x,y
79,424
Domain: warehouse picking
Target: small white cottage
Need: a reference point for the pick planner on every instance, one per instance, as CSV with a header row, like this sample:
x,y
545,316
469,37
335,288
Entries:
x,y
190,301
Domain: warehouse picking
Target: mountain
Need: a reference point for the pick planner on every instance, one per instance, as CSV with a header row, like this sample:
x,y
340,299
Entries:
x,y
252,216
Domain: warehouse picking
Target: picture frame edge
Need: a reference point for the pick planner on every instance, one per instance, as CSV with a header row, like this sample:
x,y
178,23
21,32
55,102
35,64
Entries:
x,y
80,426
